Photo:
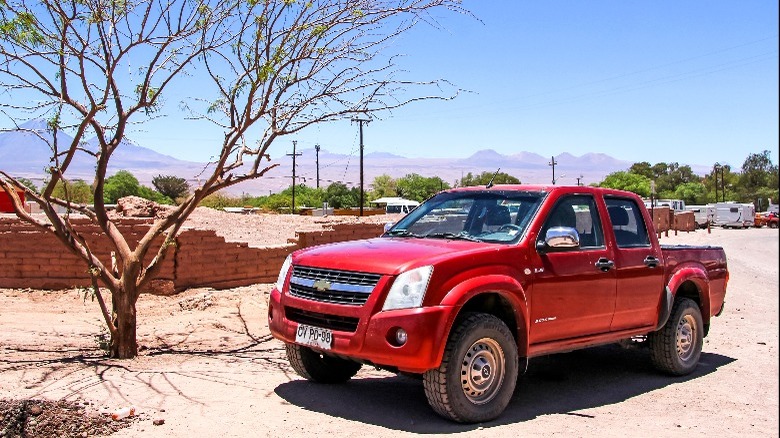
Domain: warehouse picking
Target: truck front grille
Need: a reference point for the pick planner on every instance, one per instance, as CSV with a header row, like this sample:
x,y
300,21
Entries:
x,y
331,286
333,322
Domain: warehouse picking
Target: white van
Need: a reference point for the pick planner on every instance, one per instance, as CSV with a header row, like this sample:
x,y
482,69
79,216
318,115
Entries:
x,y
396,205
674,204
401,207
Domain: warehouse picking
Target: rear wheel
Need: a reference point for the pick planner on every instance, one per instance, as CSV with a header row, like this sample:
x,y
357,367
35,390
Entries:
x,y
676,348
478,373
319,367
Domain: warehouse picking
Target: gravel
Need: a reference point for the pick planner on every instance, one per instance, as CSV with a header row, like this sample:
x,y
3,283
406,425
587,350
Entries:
x,y
43,418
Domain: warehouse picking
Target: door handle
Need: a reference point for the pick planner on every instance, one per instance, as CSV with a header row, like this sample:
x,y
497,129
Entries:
x,y
651,261
605,264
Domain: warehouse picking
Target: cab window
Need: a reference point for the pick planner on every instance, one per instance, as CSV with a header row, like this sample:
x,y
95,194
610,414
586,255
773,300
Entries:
x,y
578,212
627,223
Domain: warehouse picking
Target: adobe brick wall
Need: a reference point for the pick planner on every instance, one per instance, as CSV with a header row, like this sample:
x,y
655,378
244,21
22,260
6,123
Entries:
x,y
337,233
204,259
31,258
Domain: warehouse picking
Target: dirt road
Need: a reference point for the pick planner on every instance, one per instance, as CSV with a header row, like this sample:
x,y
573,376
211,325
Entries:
x,y
209,368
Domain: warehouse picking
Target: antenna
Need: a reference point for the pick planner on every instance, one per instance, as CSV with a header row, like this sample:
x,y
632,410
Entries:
x,y
490,184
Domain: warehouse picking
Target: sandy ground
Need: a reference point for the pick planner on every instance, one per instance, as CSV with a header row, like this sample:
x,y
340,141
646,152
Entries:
x,y
209,368
270,229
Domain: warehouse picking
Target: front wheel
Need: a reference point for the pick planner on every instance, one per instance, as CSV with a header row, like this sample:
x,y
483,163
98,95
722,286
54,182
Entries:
x,y
478,373
676,348
319,367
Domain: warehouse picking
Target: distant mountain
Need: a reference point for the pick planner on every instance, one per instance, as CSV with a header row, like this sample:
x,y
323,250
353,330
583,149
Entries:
x,y
382,155
29,147
25,153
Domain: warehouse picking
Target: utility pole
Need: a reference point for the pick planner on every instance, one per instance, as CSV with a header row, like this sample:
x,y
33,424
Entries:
x,y
578,180
317,149
553,163
717,169
652,200
293,155
361,121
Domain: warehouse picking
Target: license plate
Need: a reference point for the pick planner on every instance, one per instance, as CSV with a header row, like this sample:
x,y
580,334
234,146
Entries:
x,y
314,336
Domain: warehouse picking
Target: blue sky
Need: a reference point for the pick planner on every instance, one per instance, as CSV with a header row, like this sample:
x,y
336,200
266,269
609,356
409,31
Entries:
x,y
694,82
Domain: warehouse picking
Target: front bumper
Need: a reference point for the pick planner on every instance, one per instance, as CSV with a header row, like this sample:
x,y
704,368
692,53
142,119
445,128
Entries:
x,y
373,340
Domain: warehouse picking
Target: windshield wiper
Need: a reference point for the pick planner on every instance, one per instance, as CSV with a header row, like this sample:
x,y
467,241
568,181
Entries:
x,y
403,233
462,235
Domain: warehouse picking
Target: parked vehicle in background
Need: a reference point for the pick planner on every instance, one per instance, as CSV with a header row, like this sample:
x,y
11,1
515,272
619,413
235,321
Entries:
x,y
734,215
773,208
674,204
703,214
396,205
476,281
767,218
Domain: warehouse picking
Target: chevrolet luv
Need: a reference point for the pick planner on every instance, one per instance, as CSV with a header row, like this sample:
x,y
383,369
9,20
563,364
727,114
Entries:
x,y
474,282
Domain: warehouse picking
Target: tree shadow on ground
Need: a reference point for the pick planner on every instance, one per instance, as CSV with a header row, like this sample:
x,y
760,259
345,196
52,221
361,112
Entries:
x,y
70,370
556,384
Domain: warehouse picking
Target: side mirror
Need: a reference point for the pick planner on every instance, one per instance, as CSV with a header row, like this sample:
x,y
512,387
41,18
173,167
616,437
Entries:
x,y
560,238
389,225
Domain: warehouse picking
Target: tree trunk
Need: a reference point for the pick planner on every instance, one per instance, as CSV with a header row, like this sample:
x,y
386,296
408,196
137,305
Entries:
x,y
124,346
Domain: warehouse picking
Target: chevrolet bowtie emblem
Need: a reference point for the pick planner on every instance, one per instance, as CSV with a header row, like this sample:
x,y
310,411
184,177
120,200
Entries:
x,y
322,285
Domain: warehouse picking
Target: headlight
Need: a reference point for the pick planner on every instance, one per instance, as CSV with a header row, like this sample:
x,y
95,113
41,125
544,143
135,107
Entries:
x,y
408,289
283,273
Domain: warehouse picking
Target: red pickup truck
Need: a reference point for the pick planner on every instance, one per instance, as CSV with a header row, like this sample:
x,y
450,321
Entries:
x,y
474,282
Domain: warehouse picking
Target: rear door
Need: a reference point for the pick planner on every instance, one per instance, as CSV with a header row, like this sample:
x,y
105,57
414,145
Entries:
x,y
638,265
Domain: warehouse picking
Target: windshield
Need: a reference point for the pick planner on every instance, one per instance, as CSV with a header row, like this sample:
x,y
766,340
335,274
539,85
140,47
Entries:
x,y
483,216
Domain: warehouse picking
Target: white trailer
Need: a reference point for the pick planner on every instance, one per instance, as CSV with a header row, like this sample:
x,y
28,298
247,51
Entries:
x,y
734,215
702,214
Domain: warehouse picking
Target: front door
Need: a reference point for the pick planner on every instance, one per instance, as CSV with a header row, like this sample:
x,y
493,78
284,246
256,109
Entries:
x,y
573,291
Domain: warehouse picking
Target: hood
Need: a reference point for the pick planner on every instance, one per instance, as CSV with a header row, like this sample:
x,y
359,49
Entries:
x,y
387,255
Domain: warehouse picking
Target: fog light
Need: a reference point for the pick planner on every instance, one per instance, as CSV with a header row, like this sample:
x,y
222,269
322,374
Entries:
x,y
401,336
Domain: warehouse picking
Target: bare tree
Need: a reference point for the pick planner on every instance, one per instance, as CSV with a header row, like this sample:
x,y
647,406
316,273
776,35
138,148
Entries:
x,y
276,66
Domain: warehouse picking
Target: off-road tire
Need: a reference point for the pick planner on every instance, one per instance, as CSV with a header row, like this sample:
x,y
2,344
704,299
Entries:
x,y
319,367
480,349
676,348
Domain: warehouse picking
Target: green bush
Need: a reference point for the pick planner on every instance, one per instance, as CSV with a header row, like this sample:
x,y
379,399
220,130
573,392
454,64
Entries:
x,y
154,195
119,185
171,186
78,191
219,201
